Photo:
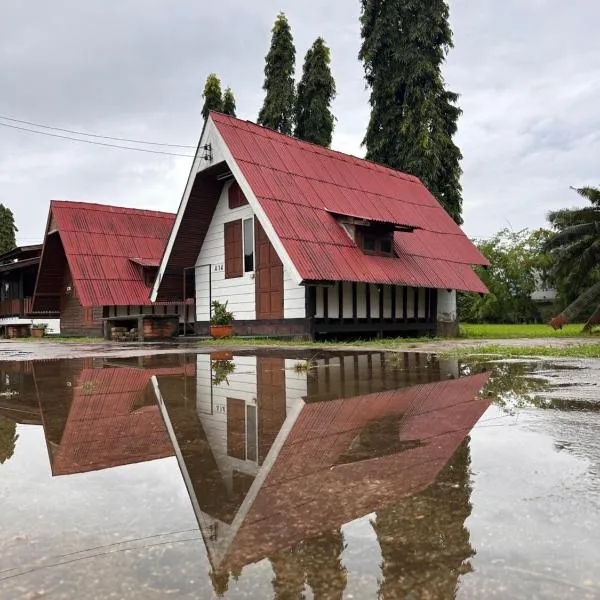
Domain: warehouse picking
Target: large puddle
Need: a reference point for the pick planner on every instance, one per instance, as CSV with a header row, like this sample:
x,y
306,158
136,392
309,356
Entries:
x,y
299,476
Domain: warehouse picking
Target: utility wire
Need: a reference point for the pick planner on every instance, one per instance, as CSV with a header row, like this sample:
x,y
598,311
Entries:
x,y
94,135
65,137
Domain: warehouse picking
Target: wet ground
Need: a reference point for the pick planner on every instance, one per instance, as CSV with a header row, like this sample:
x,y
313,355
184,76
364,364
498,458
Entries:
x,y
299,475
18,350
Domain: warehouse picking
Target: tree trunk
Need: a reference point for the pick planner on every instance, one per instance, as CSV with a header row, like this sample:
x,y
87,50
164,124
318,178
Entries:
x,y
593,320
576,307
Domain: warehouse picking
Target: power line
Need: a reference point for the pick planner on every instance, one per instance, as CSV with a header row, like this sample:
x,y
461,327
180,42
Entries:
x,y
65,137
94,135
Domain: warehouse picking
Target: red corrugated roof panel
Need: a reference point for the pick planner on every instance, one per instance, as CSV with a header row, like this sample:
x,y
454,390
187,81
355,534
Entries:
x,y
102,243
298,185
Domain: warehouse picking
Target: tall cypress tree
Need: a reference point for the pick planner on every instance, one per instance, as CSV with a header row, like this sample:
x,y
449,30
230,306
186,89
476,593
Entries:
x,y
277,111
316,91
7,229
413,116
229,102
213,97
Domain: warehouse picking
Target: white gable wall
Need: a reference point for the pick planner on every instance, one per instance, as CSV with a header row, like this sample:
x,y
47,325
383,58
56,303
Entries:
x,y
239,292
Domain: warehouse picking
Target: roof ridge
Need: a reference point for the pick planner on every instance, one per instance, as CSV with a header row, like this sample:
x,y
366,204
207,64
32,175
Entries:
x,y
97,206
342,155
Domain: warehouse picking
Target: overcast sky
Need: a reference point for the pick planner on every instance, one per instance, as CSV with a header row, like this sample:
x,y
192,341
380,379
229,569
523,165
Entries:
x,y
528,72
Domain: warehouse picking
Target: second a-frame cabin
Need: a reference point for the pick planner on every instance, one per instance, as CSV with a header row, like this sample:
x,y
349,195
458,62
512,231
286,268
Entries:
x,y
302,240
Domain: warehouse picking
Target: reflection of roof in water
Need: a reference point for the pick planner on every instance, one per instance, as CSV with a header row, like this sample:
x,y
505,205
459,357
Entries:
x,y
112,422
346,458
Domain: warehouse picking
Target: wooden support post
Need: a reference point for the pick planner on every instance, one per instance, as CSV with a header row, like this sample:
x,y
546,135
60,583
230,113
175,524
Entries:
x,y
416,302
381,289
404,304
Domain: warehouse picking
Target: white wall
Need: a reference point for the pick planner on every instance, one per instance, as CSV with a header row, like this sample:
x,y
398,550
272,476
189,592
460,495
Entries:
x,y
239,292
52,329
446,307
294,303
361,304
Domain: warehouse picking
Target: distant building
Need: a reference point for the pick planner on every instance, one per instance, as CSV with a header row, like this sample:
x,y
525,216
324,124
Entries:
x,y
97,268
18,272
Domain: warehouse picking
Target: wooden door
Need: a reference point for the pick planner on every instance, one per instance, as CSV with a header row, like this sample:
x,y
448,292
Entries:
x,y
270,402
269,277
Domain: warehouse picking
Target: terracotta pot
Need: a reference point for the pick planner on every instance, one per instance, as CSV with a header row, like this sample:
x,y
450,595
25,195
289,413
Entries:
x,y
221,331
221,356
37,333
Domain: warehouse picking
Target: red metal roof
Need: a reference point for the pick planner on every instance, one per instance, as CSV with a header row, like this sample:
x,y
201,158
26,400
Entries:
x,y
101,244
299,185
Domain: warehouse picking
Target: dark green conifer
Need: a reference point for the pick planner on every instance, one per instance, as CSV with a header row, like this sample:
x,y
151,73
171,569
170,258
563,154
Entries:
x,y
277,111
316,91
413,116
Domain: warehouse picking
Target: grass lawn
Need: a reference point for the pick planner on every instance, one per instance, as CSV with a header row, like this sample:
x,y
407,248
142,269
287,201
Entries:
x,y
496,332
577,351
390,343
64,339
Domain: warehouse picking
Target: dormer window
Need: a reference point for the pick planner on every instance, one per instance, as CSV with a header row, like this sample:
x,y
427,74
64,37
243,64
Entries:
x,y
373,237
374,240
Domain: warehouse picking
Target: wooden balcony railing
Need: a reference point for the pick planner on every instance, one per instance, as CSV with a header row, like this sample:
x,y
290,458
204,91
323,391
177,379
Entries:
x,y
17,307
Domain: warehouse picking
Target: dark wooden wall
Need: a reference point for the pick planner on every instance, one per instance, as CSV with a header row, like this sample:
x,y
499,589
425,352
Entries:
x,y
75,319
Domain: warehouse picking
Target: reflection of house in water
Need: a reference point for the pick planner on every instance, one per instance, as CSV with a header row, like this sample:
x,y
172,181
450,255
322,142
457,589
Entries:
x,y
278,459
98,418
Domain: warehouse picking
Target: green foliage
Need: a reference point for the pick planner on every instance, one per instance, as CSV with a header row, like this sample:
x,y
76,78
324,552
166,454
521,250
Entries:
x,y
413,117
518,266
316,91
8,439
229,102
574,246
7,230
277,111
220,314
213,97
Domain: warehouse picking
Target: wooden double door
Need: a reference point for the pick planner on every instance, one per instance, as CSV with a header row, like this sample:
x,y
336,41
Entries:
x,y
269,277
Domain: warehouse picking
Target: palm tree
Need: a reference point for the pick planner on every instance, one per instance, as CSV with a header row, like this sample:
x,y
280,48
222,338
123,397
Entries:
x,y
575,248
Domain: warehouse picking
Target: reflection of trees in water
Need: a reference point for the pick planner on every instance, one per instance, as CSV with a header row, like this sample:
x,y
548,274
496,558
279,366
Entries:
x,y
8,439
516,385
316,562
320,558
424,543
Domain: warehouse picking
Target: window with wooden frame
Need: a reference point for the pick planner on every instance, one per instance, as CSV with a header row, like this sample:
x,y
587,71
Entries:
x,y
233,249
236,196
375,241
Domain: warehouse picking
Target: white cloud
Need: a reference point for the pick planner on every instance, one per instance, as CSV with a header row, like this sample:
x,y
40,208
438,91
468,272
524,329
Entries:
x,y
527,73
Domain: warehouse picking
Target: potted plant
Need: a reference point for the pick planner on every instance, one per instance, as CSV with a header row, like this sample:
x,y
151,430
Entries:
x,y
38,330
221,369
221,321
